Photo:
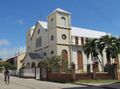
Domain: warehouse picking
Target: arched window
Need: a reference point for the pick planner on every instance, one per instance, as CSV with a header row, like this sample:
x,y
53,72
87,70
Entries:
x,y
76,40
45,54
52,52
23,65
80,60
63,22
52,19
82,40
38,31
33,65
65,55
28,65
52,38
52,23
38,65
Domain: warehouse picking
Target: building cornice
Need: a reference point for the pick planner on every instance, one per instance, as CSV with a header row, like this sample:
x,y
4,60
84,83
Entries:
x,y
63,28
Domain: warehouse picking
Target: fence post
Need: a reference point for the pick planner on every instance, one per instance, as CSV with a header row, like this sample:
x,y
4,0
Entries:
x,y
40,73
46,69
19,73
73,72
35,72
116,73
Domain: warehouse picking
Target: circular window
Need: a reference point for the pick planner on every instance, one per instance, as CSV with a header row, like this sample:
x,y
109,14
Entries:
x,y
64,36
51,19
45,53
52,52
52,37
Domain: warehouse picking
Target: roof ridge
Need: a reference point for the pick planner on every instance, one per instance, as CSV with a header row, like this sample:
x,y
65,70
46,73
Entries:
x,y
87,29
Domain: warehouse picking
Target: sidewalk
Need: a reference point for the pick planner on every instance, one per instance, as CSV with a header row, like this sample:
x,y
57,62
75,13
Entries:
x,y
111,86
21,83
103,85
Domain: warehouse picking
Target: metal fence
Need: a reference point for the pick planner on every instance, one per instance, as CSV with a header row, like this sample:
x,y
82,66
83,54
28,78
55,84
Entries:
x,y
13,72
28,72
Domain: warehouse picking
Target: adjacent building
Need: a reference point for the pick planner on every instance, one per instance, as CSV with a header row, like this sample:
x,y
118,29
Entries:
x,y
16,63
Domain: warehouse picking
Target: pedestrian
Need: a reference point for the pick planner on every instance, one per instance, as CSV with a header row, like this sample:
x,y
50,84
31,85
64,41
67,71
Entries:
x,y
6,76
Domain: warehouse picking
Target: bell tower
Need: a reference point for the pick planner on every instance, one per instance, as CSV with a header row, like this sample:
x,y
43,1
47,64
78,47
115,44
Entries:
x,y
59,31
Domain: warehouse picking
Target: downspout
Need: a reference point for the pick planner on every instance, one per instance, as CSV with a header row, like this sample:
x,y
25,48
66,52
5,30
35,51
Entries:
x,y
70,45
69,29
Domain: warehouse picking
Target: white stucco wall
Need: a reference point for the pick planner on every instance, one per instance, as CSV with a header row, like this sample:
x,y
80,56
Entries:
x,y
60,32
19,63
43,34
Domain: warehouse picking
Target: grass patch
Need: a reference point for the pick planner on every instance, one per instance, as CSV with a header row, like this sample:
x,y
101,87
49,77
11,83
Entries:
x,y
98,81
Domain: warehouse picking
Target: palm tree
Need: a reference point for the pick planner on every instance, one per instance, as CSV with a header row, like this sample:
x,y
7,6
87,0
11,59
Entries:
x,y
101,47
108,43
90,49
118,44
116,49
111,48
111,45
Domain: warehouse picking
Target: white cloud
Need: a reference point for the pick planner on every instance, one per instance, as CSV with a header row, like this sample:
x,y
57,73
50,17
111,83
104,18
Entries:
x,y
22,49
4,42
9,52
20,21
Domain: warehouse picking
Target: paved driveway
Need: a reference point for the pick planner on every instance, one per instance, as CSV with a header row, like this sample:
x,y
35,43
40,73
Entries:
x,y
20,83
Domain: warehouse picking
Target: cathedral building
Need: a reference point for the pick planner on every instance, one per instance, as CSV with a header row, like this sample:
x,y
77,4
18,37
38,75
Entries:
x,y
58,37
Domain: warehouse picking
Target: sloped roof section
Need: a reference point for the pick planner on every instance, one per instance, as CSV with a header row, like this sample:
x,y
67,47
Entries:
x,y
76,31
60,10
43,23
32,30
82,32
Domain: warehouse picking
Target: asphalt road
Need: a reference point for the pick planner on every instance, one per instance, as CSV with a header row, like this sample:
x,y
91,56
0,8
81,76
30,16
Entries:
x,y
21,83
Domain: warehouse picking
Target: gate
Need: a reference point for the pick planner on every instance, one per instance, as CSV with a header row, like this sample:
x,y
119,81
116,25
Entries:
x,y
28,72
38,73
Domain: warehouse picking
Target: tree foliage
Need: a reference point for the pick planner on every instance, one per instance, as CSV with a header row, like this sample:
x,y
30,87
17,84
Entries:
x,y
55,64
110,44
5,64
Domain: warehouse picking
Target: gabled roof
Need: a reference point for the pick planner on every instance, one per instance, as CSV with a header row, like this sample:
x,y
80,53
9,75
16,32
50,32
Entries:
x,y
83,32
43,24
60,10
32,30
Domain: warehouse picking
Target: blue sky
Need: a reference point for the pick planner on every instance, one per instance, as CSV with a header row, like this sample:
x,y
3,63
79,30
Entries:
x,y
16,16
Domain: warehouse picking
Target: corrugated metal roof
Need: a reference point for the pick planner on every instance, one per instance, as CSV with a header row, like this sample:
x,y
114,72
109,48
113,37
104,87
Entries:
x,y
82,32
43,23
60,10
